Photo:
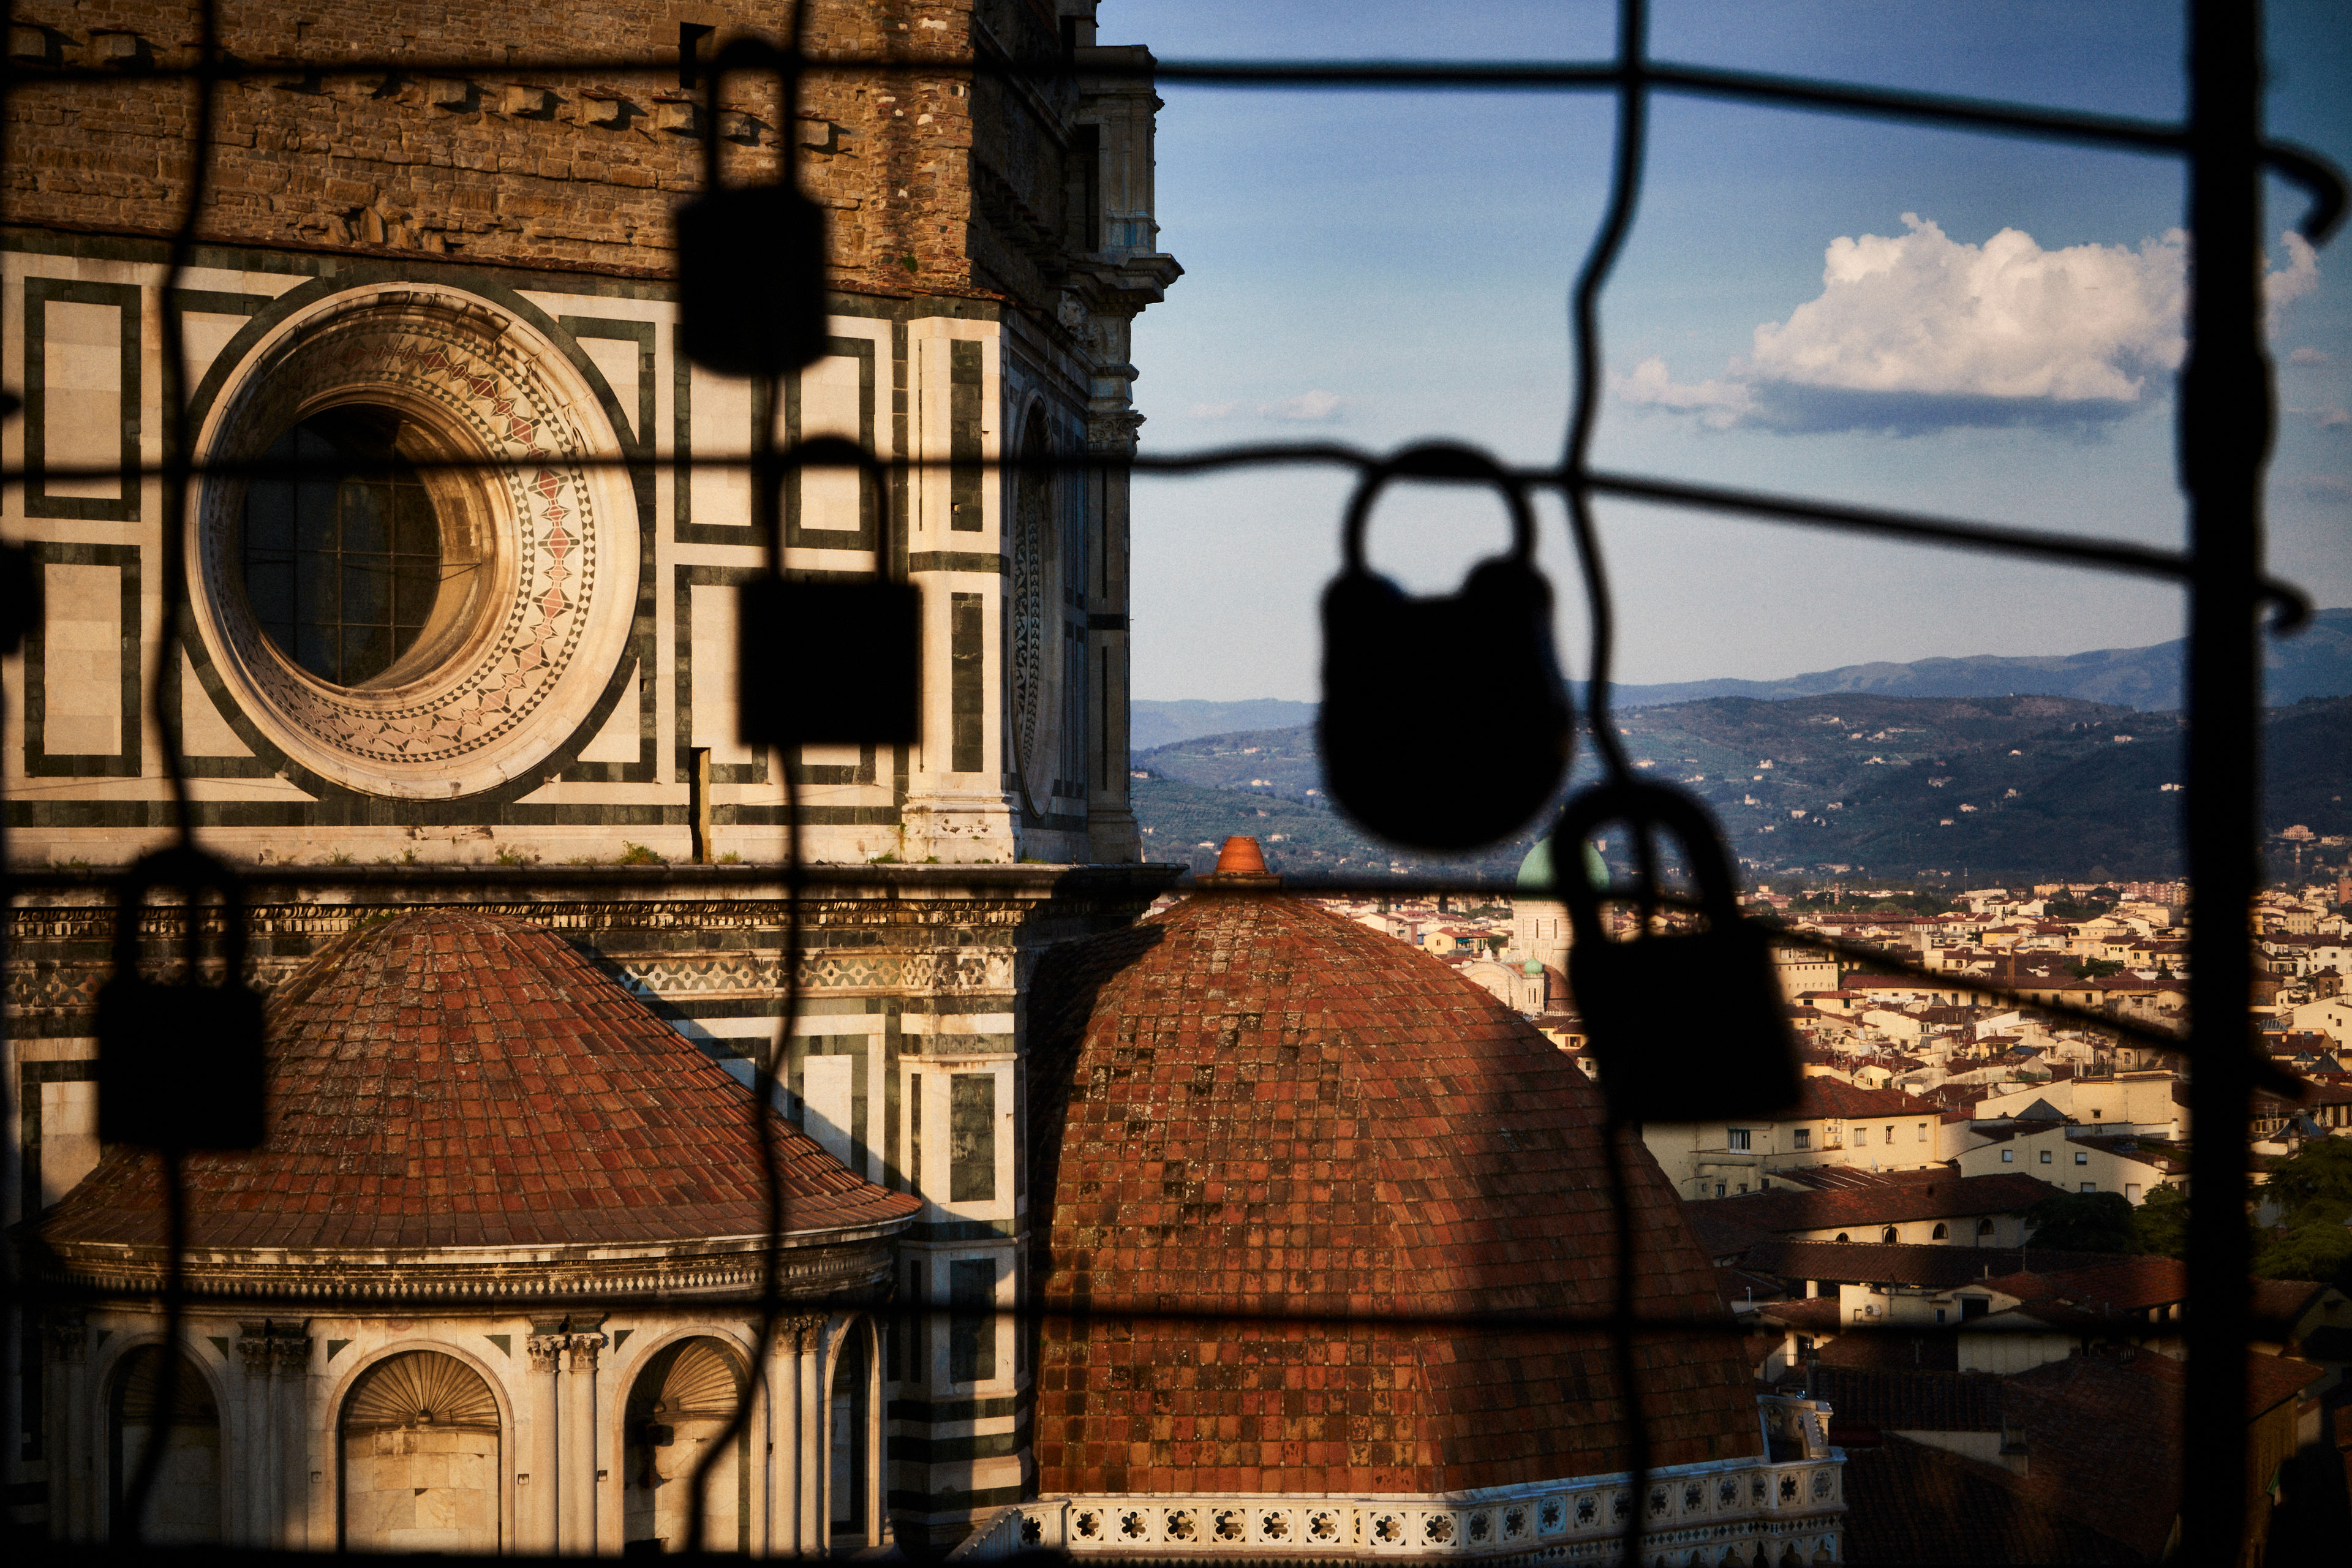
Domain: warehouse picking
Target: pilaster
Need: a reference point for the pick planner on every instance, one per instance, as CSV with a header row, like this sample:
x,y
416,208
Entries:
x,y
577,1456
252,1457
290,1387
73,1516
537,1498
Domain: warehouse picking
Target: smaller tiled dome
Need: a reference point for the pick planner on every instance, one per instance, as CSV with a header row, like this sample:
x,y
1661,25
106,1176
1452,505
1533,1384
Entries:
x,y
1254,1106
447,1079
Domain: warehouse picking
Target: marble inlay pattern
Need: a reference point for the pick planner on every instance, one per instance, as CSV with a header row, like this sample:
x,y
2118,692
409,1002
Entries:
x,y
557,559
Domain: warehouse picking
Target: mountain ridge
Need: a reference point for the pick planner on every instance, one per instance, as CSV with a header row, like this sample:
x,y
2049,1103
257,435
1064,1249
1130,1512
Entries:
x,y
2313,662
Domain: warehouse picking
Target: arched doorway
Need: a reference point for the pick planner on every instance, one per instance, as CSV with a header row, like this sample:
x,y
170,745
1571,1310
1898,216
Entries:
x,y
678,1405
185,1506
421,1458
850,1413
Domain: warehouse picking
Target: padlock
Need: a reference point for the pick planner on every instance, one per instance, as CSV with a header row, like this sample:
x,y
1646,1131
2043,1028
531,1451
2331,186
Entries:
x,y
181,1066
1686,1025
751,280
831,661
750,260
20,595
1444,725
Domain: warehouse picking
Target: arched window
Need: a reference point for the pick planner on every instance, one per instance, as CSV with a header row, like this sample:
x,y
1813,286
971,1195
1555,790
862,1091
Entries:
x,y
678,1405
1843,1237
343,567
184,1505
1941,1233
1984,1227
421,1458
1886,1235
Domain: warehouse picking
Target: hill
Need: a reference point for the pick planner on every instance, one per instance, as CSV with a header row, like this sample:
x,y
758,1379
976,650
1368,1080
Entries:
x,y
1153,724
2315,662
2001,787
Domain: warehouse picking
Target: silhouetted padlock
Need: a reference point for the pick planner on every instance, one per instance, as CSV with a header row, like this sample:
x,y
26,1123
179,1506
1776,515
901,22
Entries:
x,y
20,595
1445,722
750,260
831,661
180,1065
1687,1026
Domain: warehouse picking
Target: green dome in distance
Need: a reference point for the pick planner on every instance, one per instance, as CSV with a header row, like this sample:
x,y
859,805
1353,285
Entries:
x,y
1536,868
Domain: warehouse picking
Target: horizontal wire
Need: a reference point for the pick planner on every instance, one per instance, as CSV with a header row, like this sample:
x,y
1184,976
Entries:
x,y
887,881
2293,605
54,1292
2324,184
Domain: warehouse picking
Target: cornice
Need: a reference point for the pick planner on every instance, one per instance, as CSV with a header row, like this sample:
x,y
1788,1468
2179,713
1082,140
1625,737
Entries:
x,y
823,1266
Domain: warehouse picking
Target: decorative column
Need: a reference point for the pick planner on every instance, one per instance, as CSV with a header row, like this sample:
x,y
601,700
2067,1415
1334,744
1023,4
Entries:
x,y
784,1482
253,1469
577,1406
68,1428
816,1446
536,1499
290,1388
877,1524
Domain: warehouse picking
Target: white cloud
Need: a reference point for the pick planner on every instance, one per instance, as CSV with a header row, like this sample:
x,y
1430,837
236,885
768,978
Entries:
x,y
1317,407
2298,277
1919,331
2308,356
1719,404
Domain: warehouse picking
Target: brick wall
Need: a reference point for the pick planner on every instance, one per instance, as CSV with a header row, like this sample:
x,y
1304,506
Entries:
x,y
507,165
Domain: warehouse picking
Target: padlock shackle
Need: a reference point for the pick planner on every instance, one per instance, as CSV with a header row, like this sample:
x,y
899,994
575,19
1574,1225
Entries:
x,y
1641,804
1438,460
753,53
193,871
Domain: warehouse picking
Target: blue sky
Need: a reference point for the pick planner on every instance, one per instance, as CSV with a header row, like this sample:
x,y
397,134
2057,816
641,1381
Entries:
x,y
1377,267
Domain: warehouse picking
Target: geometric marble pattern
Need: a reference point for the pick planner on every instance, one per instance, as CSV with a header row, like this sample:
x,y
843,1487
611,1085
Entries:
x,y
463,372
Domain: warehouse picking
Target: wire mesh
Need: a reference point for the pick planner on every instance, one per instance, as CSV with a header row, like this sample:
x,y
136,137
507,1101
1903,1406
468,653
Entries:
x,y
2223,441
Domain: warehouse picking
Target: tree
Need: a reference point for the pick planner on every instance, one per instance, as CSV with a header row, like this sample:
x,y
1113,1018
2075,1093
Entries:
x,y
2321,1169
2313,1187
2095,968
2318,1251
2160,1224
2081,1222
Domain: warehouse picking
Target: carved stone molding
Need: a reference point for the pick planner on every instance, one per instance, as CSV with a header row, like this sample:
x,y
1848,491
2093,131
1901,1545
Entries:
x,y
554,544
800,1334
545,1350
583,1349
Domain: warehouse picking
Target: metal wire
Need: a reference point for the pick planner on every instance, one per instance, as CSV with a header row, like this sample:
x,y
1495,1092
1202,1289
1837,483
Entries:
x,y
2224,436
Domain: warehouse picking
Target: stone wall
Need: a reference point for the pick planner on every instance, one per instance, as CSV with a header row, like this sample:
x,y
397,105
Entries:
x,y
543,168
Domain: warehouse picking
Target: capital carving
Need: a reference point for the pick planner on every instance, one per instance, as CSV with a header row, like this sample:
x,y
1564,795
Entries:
x,y
254,1347
800,1334
69,1338
290,1352
546,1351
583,1349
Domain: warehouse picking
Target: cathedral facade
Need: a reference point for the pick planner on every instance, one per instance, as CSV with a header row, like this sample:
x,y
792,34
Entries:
x,y
403,660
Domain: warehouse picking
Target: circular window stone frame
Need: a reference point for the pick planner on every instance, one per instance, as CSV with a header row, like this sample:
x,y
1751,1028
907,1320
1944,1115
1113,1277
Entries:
x,y
537,639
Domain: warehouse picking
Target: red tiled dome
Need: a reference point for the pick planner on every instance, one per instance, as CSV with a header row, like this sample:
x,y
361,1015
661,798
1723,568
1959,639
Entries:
x,y
449,1080
1253,1104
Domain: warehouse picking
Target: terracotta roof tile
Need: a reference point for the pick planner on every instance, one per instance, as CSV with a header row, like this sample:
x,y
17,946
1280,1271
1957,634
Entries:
x,y
450,1079
1251,1104
1945,1196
